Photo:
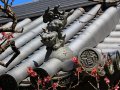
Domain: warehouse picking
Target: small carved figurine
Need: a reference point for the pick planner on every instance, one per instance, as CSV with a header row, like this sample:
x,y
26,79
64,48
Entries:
x,y
52,37
51,40
57,20
50,15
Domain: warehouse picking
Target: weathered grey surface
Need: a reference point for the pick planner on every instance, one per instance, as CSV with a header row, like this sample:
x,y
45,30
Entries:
x,y
33,29
39,55
96,33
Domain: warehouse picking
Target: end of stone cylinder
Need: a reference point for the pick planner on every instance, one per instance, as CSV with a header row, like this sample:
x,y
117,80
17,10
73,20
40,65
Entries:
x,y
7,82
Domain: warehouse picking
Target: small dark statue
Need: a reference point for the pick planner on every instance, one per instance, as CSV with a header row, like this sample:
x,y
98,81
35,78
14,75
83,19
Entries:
x,y
52,37
50,15
6,34
51,40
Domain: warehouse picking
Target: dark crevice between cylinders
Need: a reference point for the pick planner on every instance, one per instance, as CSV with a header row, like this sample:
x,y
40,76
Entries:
x,y
41,72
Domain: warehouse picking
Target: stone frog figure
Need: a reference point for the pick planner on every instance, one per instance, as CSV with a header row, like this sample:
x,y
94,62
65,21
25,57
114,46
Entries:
x,y
50,15
51,40
6,40
57,20
52,36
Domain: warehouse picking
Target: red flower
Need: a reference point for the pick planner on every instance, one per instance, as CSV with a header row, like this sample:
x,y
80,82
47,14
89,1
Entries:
x,y
54,85
43,83
75,60
107,80
7,35
31,72
94,72
79,69
34,74
39,81
116,87
47,79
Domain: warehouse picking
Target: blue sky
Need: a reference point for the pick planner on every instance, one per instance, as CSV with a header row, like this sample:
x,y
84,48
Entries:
x,y
21,1
16,2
